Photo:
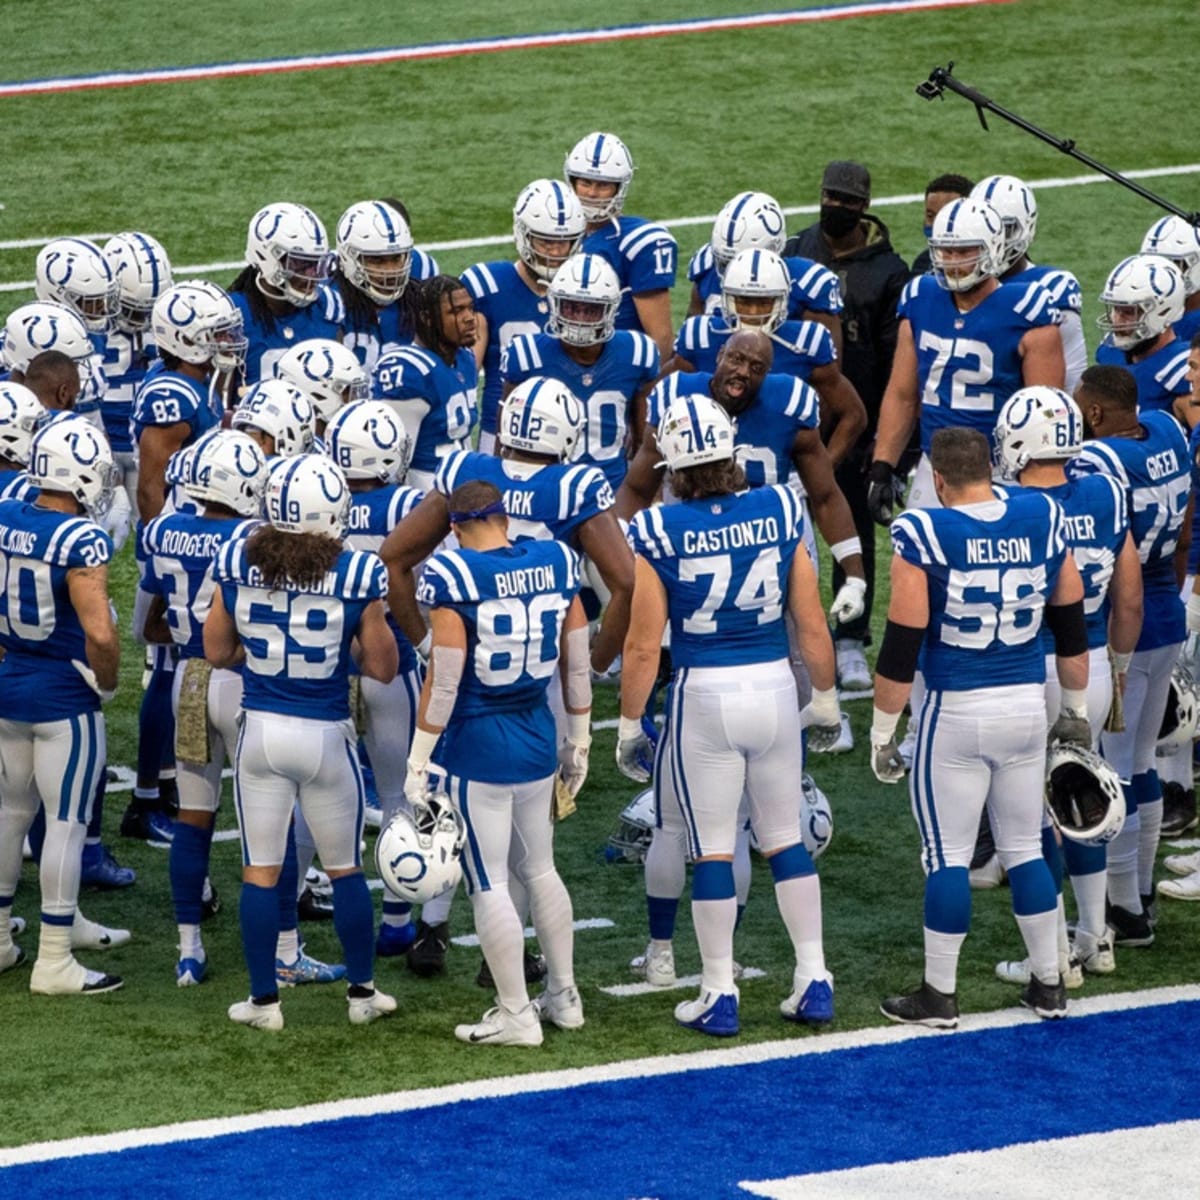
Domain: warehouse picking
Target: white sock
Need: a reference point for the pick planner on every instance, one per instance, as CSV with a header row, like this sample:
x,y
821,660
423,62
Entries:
x,y
714,921
1060,929
1041,942
190,945
1090,894
54,944
1123,865
799,901
941,959
502,939
287,946
437,912
553,921
1151,823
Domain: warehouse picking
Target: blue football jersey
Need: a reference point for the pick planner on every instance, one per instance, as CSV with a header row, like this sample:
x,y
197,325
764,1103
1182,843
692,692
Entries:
x,y
541,501
39,629
510,307
766,430
389,330
1065,293
442,399
605,388
798,346
323,318
298,642
991,569
1154,474
373,515
169,398
1187,326
815,288
513,602
15,485
643,255
180,549
724,562
127,358
1161,376
969,363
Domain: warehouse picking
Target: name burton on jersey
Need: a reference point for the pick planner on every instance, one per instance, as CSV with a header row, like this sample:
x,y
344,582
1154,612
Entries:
x,y
988,551
525,580
180,544
759,531
17,541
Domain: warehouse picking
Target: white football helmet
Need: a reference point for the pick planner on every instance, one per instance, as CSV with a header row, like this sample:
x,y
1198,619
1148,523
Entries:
x,y
583,296
965,225
327,372
418,854
1182,714
550,212
541,416
369,231
227,467
1015,203
755,275
308,494
1036,423
694,430
21,413
143,272
274,407
635,827
289,246
1083,794
75,273
1142,297
70,454
1178,240
198,323
816,817
179,466
44,325
604,157
750,221
367,440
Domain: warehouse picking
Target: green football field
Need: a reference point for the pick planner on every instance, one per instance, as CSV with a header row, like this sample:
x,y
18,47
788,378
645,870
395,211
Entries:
x,y
705,114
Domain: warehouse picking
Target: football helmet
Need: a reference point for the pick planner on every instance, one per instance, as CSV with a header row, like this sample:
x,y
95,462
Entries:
x,y
418,854
1142,297
755,275
21,413
227,467
274,407
635,827
1083,795
1036,423
289,246
179,466
1182,714
367,440
583,296
75,273
1178,240
541,416
750,221
198,323
603,157
374,230
816,817
308,494
69,454
964,225
1015,203
327,372
548,211
45,325
143,272
694,430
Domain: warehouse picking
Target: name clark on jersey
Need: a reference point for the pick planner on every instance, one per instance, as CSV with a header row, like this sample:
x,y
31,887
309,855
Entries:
x,y
759,531
525,580
17,541
988,551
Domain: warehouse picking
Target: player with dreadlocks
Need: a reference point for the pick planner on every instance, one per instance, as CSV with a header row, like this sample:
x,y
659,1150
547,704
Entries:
x,y
432,383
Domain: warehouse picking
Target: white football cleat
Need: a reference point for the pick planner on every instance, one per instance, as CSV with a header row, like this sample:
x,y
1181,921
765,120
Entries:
x,y
853,674
1019,972
257,1016
1094,954
499,1027
89,935
68,977
365,1009
712,1012
1182,864
563,1008
657,965
1185,888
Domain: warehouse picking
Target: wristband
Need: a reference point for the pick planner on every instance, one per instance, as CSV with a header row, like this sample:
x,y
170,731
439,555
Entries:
x,y
420,751
579,728
1074,701
883,726
845,548
628,728
1120,662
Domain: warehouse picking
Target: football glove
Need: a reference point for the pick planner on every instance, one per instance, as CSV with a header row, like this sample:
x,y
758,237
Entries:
x,y
635,751
851,600
1072,730
884,492
572,766
886,764
416,783
822,718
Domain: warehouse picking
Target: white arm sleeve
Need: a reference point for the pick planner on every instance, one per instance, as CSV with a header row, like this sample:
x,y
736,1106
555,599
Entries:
x,y
577,683
447,663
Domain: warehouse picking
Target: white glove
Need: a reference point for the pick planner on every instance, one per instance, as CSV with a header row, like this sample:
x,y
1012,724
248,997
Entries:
x,y
1189,657
886,764
416,783
573,766
851,600
633,749
89,677
822,717
425,647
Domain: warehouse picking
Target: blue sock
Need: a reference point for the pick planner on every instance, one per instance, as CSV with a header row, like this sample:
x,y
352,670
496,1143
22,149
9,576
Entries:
x,y
1146,787
662,910
1052,855
259,910
188,866
948,900
288,887
399,910
1131,798
156,719
791,863
713,880
1032,888
354,920
1083,860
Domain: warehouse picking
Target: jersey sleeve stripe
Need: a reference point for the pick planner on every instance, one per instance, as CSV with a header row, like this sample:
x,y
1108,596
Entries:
x,y
454,563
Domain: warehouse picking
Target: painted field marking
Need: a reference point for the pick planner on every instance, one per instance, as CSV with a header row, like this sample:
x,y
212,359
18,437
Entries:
x,y
624,990
470,939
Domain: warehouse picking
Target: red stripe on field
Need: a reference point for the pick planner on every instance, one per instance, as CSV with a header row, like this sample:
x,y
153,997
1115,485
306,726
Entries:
x,y
478,46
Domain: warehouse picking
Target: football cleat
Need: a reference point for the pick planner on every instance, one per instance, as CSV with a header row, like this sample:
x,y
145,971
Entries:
x,y
307,970
499,1027
11,956
657,965
394,940
535,971
1094,954
365,1009
563,1008
1020,973
258,1016
189,972
210,902
1182,864
1129,929
926,1006
1185,888
1179,810
88,935
311,907
147,826
68,977
712,1012
1048,1000
101,869
811,1001
853,674
427,954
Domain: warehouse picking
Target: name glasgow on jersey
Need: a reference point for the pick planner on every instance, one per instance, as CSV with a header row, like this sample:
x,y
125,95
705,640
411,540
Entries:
x,y
1160,465
329,586
179,543
987,551
525,580
758,531
17,541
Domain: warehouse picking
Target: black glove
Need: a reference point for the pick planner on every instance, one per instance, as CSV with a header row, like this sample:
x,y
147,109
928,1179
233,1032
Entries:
x,y
884,488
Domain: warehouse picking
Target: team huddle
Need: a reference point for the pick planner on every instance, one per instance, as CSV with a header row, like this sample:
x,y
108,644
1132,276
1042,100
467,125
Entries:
x,y
390,524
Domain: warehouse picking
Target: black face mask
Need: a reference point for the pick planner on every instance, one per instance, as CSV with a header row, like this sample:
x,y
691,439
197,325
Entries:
x,y
837,221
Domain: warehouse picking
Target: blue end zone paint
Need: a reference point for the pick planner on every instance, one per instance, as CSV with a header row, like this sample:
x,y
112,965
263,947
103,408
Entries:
x,y
697,1133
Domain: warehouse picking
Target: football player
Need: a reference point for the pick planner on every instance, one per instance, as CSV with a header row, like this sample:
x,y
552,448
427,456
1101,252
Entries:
x,y
1178,241
328,374
21,414
35,329
505,618
278,417
939,191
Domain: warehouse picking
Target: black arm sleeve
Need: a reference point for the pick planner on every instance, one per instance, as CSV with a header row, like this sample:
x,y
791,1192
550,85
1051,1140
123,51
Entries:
x,y
899,652
1066,622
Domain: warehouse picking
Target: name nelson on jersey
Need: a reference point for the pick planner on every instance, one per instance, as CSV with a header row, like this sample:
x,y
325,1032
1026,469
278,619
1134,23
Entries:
x,y
990,551
758,531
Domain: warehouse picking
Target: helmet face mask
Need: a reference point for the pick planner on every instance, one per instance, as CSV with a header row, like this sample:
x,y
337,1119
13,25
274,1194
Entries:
x,y
1036,424
760,279
1142,297
635,827
142,272
198,323
967,245
69,454
695,430
601,158
750,221
367,440
583,298
419,854
548,225
1083,794
75,273
327,372
227,467
288,245
374,248
541,416
308,494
